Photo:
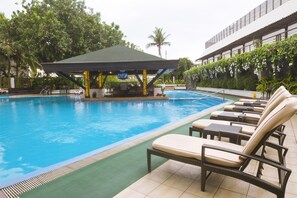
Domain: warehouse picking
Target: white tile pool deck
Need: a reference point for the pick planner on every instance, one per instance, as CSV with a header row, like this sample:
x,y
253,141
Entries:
x,y
176,179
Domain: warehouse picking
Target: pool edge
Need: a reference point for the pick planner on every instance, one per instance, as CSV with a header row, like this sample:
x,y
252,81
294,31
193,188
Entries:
x,y
39,178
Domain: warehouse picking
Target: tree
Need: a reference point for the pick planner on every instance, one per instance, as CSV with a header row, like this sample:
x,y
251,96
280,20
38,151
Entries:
x,y
59,29
184,64
7,50
159,39
16,55
52,30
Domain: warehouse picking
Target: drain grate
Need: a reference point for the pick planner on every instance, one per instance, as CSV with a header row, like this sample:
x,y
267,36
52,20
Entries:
x,y
14,191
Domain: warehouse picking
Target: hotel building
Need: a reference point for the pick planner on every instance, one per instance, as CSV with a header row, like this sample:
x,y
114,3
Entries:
x,y
271,21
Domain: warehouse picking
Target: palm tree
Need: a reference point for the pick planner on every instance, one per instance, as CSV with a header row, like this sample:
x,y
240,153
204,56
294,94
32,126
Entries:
x,y
159,39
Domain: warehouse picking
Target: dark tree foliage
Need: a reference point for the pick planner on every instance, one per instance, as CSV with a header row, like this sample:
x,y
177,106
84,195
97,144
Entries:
x,y
52,30
59,29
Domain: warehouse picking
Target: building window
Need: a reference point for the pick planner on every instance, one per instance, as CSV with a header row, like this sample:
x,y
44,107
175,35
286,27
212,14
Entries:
x,y
252,15
277,3
278,37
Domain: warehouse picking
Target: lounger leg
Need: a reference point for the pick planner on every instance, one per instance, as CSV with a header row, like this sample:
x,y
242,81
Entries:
x,y
281,195
260,165
203,179
282,139
148,161
190,131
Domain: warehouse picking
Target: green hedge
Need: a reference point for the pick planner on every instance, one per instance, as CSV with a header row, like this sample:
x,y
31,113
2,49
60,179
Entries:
x,y
273,62
246,82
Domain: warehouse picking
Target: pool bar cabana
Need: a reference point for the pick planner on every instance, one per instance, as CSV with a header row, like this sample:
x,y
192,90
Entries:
x,y
119,60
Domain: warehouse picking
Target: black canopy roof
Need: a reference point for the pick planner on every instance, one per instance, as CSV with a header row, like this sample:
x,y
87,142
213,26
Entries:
x,y
113,59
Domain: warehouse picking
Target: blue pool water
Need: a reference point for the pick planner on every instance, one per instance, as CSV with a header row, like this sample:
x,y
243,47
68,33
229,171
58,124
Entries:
x,y
41,131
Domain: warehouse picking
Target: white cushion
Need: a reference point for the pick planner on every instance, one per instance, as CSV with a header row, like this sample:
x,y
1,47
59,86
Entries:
x,y
232,108
251,100
203,123
273,104
240,103
282,113
248,115
191,147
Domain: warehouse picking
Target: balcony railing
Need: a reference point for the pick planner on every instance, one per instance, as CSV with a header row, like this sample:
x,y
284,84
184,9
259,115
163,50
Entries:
x,y
250,17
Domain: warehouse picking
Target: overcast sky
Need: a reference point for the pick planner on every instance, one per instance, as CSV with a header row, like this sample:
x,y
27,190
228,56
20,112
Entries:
x,y
189,22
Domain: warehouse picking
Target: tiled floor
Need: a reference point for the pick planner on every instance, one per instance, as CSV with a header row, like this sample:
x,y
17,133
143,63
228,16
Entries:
x,y
176,179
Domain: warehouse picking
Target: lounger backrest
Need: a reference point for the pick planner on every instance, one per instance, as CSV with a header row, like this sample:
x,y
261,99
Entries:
x,y
281,88
279,115
281,97
276,94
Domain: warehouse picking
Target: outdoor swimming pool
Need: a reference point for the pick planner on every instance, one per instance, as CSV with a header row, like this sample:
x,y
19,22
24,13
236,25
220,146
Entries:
x,y
38,132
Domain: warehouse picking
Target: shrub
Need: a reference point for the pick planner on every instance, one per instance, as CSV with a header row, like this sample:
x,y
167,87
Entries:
x,y
243,82
273,61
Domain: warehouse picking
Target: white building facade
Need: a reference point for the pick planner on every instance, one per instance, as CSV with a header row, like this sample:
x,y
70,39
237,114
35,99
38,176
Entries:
x,y
271,21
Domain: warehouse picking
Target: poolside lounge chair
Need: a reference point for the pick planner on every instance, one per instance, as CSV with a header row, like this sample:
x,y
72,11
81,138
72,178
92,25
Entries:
x,y
251,117
253,104
247,128
257,102
253,100
227,158
250,104
243,108
239,108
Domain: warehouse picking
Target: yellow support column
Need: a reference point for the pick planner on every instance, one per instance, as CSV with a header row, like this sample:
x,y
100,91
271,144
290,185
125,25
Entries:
x,y
144,74
100,80
87,83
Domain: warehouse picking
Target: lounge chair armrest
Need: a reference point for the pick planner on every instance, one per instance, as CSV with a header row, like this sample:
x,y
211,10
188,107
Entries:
x,y
276,146
281,128
242,123
252,178
279,134
251,157
282,151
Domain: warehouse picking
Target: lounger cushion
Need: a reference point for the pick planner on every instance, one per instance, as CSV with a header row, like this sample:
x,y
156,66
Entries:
x,y
248,115
276,94
240,103
279,97
282,113
202,123
280,89
243,108
273,104
191,147
252,100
